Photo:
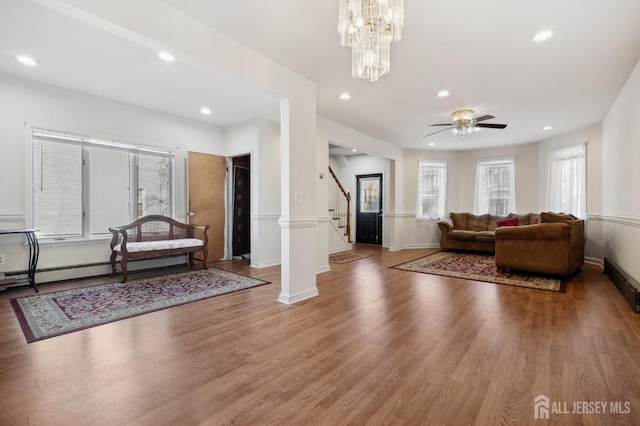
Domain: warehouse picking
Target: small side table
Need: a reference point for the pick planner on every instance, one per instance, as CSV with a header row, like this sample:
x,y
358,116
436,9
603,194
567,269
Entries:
x,y
34,251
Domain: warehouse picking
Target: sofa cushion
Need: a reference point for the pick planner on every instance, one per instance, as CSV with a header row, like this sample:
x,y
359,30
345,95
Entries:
x,y
459,220
550,217
523,219
510,221
478,223
485,236
493,222
462,235
135,247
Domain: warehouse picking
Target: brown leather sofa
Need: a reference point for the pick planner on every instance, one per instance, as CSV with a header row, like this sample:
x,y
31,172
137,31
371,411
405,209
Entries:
x,y
554,247
466,231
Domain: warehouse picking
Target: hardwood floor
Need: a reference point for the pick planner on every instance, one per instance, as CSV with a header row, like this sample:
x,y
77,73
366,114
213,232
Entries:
x,y
378,346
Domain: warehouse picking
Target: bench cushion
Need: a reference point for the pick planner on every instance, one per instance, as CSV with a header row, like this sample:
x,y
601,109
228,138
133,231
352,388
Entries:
x,y
135,247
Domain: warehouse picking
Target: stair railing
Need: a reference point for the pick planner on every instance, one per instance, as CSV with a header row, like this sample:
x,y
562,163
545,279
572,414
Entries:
x,y
340,205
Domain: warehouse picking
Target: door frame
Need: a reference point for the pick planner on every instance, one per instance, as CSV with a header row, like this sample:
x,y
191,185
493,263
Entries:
x,y
357,204
229,205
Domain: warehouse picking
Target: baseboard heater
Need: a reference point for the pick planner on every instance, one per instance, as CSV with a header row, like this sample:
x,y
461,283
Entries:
x,y
629,287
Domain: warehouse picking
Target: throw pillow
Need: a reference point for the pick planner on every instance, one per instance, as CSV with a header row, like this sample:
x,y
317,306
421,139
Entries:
x,y
511,221
459,220
478,223
523,219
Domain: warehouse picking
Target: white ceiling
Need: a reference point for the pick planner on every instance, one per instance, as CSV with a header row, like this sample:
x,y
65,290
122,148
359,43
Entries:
x,y
479,51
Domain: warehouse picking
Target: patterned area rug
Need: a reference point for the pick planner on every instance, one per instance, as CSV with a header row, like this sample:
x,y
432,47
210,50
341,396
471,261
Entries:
x,y
46,315
476,267
346,256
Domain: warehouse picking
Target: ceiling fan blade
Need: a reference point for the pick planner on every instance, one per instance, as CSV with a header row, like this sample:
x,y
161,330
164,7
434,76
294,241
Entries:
x,y
484,117
438,131
491,125
441,124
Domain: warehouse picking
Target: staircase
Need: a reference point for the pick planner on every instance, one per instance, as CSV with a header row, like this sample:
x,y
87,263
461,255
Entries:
x,y
340,207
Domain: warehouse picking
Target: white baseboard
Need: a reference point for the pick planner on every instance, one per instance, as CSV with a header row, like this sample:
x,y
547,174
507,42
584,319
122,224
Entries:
x,y
414,246
323,268
289,300
267,264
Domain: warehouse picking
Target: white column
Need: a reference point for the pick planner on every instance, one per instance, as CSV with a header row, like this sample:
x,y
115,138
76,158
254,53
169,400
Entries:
x,y
298,219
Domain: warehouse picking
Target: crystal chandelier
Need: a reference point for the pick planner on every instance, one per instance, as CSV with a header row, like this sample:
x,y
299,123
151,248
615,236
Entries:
x,y
369,27
463,122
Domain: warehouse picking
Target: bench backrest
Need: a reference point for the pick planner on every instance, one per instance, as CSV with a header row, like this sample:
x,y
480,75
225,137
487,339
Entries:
x,y
156,228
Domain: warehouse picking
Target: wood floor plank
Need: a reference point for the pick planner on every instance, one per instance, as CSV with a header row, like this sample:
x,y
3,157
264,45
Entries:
x,y
377,346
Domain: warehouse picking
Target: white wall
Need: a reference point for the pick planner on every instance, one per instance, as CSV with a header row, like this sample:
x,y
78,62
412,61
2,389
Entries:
x,y
41,105
261,140
461,177
620,215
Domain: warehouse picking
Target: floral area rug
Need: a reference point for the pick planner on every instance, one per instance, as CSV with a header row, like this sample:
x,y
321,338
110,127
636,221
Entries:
x,y
476,267
46,315
346,256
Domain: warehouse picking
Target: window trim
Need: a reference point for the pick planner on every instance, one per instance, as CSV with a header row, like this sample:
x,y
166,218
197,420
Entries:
x,y
87,142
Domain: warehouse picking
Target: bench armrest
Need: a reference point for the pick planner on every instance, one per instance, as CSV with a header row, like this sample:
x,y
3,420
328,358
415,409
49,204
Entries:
x,y
204,230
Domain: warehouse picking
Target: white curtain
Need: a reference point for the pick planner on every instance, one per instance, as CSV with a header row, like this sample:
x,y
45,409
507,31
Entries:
x,y
567,192
432,185
495,187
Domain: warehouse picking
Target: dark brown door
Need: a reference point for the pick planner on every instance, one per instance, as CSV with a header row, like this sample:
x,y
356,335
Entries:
x,y
207,177
369,209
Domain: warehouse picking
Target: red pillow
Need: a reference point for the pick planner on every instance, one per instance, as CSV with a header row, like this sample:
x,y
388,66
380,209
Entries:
x,y
512,221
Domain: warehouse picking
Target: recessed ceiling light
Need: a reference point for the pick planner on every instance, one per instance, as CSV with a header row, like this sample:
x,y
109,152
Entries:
x,y
542,35
432,143
166,56
205,110
547,128
27,60
443,93
354,150
344,96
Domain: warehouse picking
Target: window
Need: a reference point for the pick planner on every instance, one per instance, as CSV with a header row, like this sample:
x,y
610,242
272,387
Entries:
x,y
82,186
432,186
495,192
567,180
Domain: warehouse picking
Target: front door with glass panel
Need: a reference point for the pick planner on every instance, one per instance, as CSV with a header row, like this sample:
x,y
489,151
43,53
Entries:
x,y
369,209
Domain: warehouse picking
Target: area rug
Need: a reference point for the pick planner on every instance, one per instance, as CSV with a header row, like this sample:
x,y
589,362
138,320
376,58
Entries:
x,y
47,315
477,267
346,256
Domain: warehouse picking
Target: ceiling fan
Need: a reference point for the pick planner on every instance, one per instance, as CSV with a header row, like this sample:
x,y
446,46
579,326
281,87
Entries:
x,y
464,123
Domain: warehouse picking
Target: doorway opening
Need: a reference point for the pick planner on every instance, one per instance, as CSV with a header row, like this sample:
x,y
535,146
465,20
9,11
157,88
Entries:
x,y
241,220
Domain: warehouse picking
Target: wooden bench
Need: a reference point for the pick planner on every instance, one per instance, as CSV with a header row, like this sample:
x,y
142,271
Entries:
x,y
153,236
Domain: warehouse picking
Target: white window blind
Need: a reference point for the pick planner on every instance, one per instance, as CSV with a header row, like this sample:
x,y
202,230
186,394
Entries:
x,y
567,192
84,185
432,186
57,189
495,187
